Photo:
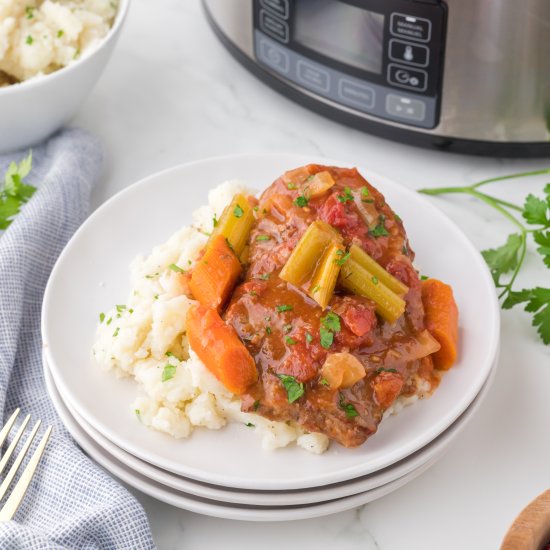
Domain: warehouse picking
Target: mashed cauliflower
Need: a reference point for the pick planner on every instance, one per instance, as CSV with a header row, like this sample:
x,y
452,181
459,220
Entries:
x,y
40,36
145,339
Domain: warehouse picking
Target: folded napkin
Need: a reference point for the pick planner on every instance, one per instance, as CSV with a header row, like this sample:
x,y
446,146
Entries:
x,y
71,502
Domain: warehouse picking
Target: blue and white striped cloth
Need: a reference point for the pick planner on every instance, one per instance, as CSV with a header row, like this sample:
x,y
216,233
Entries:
x,y
71,503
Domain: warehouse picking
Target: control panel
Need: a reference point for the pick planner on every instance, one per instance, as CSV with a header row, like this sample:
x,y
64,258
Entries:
x,y
381,57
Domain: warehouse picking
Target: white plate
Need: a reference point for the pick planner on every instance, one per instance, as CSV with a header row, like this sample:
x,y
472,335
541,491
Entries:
x,y
224,510
92,274
430,452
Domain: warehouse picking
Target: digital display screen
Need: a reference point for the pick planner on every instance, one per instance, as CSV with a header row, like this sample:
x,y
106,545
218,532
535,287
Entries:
x,y
340,31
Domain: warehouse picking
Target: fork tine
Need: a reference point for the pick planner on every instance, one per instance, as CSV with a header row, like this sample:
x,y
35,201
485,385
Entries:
x,y
7,428
14,500
17,462
14,443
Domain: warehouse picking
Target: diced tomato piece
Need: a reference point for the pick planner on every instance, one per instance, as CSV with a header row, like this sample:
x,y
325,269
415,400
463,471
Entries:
x,y
334,212
360,319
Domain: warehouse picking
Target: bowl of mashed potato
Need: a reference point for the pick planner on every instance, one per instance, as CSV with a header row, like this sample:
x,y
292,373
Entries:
x,y
52,52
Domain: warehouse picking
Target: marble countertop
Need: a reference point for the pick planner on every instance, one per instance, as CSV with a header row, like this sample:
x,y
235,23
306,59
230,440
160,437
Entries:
x,y
172,94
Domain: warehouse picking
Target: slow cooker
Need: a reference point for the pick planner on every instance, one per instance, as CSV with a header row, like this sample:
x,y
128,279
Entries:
x,y
469,76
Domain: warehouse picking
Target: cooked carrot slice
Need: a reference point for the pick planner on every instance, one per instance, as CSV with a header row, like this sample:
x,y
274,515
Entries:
x,y
215,274
441,319
220,349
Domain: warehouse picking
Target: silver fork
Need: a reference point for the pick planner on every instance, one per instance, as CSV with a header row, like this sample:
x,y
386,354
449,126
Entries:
x,y
12,503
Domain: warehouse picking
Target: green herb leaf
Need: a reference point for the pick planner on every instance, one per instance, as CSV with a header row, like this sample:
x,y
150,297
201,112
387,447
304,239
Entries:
x,y
374,280
168,372
263,238
29,40
343,259
284,307
348,408
60,33
238,211
290,341
29,12
309,338
424,277
256,405
324,382
379,230
176,268
101,317
364,192
331,321
347,196
301,201
537,301
294,390
268,330
504,258
265,276
115,333
291,185
120,308
543,239
535,211
327,337
250,425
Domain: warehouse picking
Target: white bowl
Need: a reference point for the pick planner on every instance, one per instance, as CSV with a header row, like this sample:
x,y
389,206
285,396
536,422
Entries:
x,y
32,110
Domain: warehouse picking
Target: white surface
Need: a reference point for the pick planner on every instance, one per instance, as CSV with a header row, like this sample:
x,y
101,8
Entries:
x,y
172,94
429,453
232,511
166,201
35,108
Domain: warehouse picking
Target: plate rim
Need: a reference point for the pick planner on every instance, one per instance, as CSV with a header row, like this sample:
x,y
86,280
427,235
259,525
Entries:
x,y
266,483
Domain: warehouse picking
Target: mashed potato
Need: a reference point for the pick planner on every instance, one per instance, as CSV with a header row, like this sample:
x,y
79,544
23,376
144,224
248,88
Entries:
x,y
39,37
145,339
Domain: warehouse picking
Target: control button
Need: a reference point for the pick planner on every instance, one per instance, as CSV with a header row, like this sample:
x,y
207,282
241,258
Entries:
x,y
405,107
413,79
410,26
313,76
273,27
278,7
356,94
274,56
412,54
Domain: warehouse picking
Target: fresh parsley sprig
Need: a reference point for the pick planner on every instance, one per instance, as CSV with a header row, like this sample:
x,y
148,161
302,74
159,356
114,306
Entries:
x,y
506,260
14,193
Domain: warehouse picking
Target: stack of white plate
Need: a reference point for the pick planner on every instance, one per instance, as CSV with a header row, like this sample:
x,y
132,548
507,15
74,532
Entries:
x,y
225,473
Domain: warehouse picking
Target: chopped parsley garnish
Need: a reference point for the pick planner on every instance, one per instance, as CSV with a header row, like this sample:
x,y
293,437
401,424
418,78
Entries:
x,y
374,280
228,244
60,33
137,412
15,192
176,268
265,276
214,221
291,185
284,307
156,296
309,338
424,277
101,317
379,230
256,405
329,325
301,201
250,425
347,196
324,382
29,40
29,12
109,321
315,289
115,333
327,337
290,341
263,238
348,408
130,311
268,330
331,321
294,389
397,217
168,372
364,192
120,308
343,257
382,369
238,211
405,250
